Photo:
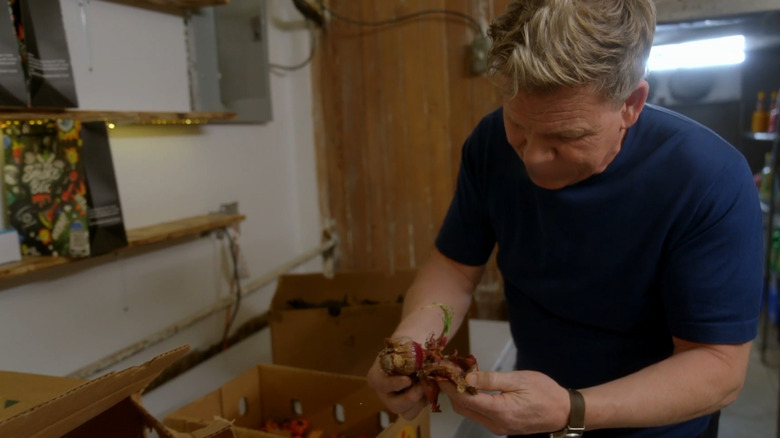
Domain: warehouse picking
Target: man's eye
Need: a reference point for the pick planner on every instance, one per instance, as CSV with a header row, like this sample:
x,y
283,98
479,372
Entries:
x,y
571,136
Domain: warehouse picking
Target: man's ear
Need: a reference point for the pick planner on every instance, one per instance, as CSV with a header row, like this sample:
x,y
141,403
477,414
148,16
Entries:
x,y
633,106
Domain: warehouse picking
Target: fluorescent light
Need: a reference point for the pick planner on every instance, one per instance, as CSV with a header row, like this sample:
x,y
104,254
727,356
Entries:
x,y
703,53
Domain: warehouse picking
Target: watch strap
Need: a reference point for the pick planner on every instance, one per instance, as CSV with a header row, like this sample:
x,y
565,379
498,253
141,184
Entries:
x,y
576,426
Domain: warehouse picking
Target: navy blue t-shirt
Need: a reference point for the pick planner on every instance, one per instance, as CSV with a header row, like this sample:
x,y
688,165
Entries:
x,y
600,275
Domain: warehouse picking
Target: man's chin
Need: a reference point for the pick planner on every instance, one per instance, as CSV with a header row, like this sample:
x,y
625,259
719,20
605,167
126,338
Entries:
x,y
548,183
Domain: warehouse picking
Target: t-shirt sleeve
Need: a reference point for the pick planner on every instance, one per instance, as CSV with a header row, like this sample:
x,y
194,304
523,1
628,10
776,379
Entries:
x,y
712,282
466,234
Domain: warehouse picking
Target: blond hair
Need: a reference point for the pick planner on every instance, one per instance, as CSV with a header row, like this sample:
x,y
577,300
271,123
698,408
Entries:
x,y
544,45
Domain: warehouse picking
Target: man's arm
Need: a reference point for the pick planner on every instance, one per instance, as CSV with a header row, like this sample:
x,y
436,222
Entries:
x,y
439,280
696,380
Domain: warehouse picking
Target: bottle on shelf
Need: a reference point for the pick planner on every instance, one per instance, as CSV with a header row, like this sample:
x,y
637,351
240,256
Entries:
x,y
760,117
772,124
765,184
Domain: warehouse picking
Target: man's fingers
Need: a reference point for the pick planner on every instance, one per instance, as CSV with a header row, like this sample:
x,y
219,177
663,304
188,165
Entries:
x,y
396,384
408,401
478,407
491,381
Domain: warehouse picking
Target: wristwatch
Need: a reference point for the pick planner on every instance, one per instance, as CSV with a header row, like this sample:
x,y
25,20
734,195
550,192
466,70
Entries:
x,y
576,417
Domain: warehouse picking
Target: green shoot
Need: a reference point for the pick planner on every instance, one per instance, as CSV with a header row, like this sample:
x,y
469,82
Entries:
x,y
447,318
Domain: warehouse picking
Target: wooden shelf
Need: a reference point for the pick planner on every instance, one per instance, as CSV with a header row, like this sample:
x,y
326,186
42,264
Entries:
x,y
118,117
761,136
138,237
172,4
183,4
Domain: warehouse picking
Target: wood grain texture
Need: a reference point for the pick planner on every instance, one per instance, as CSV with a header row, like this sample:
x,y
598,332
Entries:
x,y
138,237
121,117
393,106
180,228
171,5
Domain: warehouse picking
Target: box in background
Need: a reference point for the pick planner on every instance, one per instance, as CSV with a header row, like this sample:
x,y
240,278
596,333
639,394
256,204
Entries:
x,y
9,246
336,404
13,87
43,48
346,322
40,406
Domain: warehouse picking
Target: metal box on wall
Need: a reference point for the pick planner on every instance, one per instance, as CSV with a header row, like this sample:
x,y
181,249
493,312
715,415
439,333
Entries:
x,y
228,60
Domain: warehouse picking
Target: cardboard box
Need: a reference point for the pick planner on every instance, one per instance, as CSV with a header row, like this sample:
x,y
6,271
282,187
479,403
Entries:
x,y
336,404
39,406
341,339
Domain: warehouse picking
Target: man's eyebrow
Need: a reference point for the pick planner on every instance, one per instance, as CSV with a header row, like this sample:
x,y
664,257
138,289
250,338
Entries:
x,y
574,132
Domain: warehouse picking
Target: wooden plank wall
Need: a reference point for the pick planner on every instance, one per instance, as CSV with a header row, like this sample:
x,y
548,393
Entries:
x,y
393,106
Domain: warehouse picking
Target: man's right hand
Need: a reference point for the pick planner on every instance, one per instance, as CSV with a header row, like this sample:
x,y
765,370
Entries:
x,y
397,392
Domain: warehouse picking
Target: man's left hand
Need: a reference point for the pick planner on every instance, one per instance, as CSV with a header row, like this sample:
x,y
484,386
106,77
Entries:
x,y
517,402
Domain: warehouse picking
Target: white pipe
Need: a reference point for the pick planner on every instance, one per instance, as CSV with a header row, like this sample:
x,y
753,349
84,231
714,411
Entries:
x,y
130,350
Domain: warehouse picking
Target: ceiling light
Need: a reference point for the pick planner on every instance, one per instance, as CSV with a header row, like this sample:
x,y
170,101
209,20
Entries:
x,y
694,54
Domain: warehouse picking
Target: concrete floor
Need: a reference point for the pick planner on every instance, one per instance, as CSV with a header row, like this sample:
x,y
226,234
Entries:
x,y
755,413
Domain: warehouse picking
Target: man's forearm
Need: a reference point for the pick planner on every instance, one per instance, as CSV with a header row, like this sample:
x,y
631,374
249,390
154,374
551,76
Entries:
x,y
691,383
439,280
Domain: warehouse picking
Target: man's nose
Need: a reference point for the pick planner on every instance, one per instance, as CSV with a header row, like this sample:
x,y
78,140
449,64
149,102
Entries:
x,y
535,152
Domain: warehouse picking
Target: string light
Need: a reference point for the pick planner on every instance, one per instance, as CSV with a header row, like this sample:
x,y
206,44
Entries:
x,y
112,124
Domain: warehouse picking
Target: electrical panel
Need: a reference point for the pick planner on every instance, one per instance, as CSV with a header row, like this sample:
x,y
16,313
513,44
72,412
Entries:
x,y
227,46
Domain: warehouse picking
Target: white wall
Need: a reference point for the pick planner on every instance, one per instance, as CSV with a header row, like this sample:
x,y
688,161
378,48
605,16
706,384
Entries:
x,y
138,58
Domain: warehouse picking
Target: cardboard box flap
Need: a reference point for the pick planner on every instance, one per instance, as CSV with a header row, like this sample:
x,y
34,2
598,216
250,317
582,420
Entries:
x,y
78,400
341,321
420,427
20,392
219,428
356,287
335,403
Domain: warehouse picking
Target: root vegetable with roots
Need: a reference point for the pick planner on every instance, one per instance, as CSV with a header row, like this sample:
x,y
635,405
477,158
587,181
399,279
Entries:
x,y
427,364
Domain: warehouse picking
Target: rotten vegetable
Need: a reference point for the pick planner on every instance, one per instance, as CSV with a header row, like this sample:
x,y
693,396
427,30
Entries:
x,y
427,364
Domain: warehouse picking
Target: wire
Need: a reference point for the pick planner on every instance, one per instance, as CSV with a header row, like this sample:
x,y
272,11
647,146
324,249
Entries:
x,y
309,12
235,286
411,16
471,20
302,64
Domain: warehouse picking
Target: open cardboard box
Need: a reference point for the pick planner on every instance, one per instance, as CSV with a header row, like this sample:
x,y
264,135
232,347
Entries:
x,y
40,406
336,404
341,339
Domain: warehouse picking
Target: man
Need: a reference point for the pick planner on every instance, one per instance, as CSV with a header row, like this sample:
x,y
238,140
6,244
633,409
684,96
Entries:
x,y
629,239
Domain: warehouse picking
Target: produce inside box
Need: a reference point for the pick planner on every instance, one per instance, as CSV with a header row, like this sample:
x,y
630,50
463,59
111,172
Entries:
x,y
339,324
327,404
